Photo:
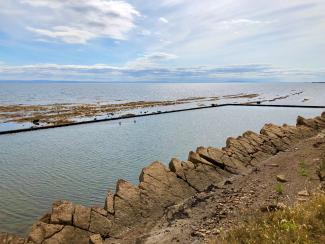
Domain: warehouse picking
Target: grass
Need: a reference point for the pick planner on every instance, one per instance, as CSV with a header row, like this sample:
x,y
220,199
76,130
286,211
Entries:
x,y
303,171
279,189
303,223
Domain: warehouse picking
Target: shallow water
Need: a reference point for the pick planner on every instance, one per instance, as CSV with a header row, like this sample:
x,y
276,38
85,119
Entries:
x,y
81,163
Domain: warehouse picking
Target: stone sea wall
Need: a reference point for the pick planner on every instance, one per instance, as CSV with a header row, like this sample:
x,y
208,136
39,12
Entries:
x,y
161,187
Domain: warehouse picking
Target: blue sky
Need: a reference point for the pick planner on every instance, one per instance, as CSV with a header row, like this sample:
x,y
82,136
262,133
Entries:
x,y
166,40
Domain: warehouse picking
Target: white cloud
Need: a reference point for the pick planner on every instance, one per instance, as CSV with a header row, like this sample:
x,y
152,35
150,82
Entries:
x,y
151,60
66,34
240,23
171,3
133,73
80,21
163,20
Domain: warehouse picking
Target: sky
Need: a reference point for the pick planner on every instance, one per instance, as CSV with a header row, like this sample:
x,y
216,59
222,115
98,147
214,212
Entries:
x,y
163,40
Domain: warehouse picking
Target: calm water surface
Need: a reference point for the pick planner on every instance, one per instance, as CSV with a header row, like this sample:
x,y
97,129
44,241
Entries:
x,y
48,93
81,163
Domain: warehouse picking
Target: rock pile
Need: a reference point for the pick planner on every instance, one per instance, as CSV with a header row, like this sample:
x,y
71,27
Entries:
x,y
161,187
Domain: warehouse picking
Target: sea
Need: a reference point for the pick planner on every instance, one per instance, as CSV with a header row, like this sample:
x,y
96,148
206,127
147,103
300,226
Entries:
x,y
81,163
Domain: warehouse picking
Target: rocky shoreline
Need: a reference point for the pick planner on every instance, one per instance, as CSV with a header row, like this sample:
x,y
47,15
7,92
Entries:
x,y
145,213
56,114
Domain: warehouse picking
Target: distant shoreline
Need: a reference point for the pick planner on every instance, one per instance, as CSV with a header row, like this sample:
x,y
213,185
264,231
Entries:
x,y
254,104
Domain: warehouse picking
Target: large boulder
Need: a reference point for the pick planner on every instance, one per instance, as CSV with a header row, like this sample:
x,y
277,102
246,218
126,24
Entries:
x,y
41,231
62,212
199,176
99,224
127,204
81,217
307,122
220,159
163,186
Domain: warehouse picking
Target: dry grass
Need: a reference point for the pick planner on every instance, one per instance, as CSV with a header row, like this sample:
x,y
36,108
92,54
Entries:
x,y
303,223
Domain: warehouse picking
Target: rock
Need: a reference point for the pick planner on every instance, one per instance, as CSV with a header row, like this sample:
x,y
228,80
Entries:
x,y
36,121
11,239
62,212
69,234
281,205
273,207
272,165
281,178
321,171
109,203
220,159
96,239
162,186
81,217
197,159
41,231
101,211
199,176
127,204
307,122
300,199
99,224
303,193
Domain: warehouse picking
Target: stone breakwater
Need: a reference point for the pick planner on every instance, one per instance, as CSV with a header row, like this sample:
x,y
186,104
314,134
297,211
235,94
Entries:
x,y
161,187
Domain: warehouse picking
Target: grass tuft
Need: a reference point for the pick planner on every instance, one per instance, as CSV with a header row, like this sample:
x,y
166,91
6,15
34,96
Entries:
x,y
279,189
303,223
303,171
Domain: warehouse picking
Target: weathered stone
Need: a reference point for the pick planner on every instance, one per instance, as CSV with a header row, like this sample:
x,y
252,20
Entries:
x,y
236,154
99,224
163,186
250,135
236,146
100,211
321,171
41,231
320,122
269,148
220,159
11,239
180,167
127,203
62,212
46,218
81,217
69,234
248,147
109,203
307,122
196,158
267,131
96,239
303,193
260,156
281,178
199,176
279,144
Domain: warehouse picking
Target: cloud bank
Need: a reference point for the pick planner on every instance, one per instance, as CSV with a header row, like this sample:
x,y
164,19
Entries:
x,y
152,68
77,22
